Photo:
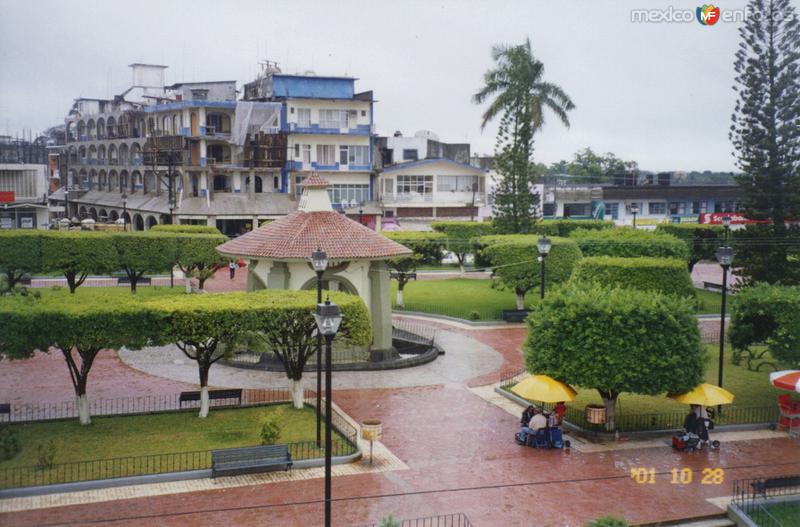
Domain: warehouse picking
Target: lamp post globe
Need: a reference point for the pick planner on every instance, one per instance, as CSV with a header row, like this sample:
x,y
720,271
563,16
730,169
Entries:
x,y
634,211
726,222
543,245
319,262
725,259
328,318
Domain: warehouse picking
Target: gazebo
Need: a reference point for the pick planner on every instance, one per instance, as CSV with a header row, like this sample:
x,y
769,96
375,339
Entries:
x,y
278,255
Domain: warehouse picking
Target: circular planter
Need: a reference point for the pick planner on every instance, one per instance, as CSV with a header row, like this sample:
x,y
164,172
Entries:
x,y
595,414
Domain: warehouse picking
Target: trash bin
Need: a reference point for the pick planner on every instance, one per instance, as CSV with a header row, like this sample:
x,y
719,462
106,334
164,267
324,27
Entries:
x,y
595,414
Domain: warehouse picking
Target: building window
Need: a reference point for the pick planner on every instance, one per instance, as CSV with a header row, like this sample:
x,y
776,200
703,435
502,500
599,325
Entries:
x,y
455,183
656,207
297,151
677,208
363,113
638,206
298,188
415,184
359,155
304,117
333,119
343,155
326,155
410,154
577,209
699,207
306,154
724,206
549,209
612,209
349,193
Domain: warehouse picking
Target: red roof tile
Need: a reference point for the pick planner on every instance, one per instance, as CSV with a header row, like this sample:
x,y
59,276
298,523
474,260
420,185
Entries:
x,y
314,180
297,235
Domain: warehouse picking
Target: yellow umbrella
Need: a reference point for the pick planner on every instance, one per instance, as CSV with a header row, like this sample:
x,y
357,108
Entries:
x,y
705,394
545,389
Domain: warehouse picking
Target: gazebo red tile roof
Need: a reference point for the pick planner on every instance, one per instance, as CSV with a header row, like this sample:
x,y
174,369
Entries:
x,y
297,235
314,180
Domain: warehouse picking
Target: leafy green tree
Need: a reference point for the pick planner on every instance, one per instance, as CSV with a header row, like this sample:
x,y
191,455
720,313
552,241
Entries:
x,y
428,245
78,325
703,240
403,269
616,340
516,265
196,255
521,97
629,243
77,255
143,252
20,254
765,325
766,135
755,249
461,236
591,167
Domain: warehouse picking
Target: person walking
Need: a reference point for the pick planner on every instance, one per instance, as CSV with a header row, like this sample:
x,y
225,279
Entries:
x,y
232,269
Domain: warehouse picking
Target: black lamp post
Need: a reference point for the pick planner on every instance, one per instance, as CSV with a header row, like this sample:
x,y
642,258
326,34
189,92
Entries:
x,y
543,245
634,211
726,222
124,211
328,318
319,261
361,216
725,259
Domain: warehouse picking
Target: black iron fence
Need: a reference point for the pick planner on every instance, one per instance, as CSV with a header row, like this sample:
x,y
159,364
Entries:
x,y
731,415
120,467
448,520
475,313
769,502
24,412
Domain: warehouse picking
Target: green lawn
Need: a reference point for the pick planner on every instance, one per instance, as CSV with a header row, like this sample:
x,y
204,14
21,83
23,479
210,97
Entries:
x,y
477,300
710,302
787,513
138,435
749,388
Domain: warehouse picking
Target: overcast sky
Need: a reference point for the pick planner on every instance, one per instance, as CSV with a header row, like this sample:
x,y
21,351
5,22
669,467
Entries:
x,y
657,93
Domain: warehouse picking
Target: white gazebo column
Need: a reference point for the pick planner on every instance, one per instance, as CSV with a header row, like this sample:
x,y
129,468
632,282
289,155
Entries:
x,y
380,306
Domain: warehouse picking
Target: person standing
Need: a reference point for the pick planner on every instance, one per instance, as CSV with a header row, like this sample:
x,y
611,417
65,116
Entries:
x,y
232,269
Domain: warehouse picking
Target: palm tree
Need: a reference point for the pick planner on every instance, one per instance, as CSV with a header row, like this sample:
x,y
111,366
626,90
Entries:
x,y
517,83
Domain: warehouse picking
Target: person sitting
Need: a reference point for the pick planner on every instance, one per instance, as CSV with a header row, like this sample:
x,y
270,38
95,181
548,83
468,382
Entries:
x,y
537,422
526,416
702,422
559,410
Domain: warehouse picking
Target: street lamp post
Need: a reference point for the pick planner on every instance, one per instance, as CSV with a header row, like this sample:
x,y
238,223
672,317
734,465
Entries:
x,y
124,211
319,261
328,318
544,244
634,211
726,222
725,259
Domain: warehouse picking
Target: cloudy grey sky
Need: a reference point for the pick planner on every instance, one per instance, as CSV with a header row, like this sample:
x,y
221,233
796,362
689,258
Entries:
x,y
657,93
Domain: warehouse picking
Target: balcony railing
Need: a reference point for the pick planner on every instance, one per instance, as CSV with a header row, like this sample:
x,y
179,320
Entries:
x,y
438,197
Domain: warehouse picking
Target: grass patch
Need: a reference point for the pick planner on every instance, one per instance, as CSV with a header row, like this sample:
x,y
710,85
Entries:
x,y
476,299
787,513
166,438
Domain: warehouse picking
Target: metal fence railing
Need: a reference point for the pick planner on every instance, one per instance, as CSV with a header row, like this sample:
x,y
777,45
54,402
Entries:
x,y
769,502
24,412
467,313
447,520
731,415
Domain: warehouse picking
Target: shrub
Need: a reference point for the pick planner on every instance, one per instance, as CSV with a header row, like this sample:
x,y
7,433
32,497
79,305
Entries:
x,y
703,240
390,521
565,227
9,443
629,243
461,236
428,245
615,340
664,275
46,454
474,315
20,254
766,314
186,229
515,262
608,521
270,430
77,254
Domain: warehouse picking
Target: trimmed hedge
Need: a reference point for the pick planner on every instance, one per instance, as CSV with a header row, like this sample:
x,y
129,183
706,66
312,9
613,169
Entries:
x,y
664,275
515,262
565,227
630,243
766,314
20,254
428,245
77,254
186,229
702,239
144,252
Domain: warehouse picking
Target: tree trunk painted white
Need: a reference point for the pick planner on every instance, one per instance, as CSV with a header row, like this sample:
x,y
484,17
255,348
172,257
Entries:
x,y
296,387
461,267
204,401
400,298
610,404
520,301
83,410
188,281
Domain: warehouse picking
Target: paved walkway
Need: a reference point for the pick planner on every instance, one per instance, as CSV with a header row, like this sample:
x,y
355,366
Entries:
x,y
460,456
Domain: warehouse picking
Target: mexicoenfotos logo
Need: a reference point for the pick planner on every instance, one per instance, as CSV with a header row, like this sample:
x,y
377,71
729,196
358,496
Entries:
x,y
708,15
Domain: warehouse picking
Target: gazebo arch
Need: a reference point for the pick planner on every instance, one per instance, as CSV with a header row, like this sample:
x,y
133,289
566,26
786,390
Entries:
x,y
138,222
113,215
152,221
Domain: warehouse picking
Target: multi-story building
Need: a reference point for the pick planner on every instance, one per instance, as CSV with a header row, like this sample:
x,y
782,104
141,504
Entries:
x,y
23,196
423,178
